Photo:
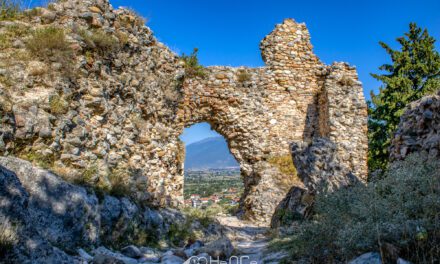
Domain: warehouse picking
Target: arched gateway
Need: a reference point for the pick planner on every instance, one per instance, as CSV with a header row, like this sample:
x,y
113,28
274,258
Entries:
x,y
262,111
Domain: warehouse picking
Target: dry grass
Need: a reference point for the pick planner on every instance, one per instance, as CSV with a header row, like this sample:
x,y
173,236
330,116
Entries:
x,y
8,237
58,105
119,182
50,45
12,33
100,41
284,164
243,76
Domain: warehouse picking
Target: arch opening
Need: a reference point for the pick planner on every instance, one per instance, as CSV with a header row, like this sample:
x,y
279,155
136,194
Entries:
x,y
212,178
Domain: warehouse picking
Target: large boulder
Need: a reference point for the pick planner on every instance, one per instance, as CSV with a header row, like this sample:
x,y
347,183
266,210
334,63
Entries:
x,y
20,232
63,213
319,166
219,249
48,218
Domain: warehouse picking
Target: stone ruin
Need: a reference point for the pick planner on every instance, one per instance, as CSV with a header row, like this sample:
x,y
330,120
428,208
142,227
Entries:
x,y
122,112
261,111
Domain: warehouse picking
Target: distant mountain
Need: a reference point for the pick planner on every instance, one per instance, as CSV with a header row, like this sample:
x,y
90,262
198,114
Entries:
x,y
209,153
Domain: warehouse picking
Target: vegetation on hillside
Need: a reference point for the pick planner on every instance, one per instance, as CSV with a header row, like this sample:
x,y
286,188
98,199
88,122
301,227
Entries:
x,y
9,9
396,216
414,71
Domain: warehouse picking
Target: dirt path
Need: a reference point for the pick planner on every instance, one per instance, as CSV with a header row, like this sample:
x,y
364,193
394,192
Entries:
x,y
250,242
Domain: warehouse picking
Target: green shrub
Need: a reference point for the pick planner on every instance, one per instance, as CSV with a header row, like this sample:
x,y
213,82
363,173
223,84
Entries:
x,y
192,67
204,216
100,41
180,234
399,211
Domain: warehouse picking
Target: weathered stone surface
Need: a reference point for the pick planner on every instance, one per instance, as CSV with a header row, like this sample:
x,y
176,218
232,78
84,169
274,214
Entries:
x,y
104,256
64,214
55,217
321,169
131,252
220,249
367,258
171,259
418,129
17,216
122,112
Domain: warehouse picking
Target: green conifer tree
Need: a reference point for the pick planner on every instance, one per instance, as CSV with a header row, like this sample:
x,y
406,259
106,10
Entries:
x,y
414,72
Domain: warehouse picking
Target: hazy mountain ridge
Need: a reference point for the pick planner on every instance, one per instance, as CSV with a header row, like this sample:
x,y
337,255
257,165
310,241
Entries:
x,y
209,153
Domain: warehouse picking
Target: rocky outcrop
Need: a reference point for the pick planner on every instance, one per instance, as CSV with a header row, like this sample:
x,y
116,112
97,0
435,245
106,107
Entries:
x,y
50,218
320,168
100,108
105,104
418,129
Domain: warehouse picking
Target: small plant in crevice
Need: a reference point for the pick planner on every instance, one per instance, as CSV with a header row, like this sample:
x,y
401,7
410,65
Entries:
x,y
285,165
243,76
58,105
191,65
119,182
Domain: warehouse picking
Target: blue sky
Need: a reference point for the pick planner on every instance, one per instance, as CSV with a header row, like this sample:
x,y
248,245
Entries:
x,y
228,32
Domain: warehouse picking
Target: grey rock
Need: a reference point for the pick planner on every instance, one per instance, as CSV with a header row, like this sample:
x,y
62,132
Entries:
x,y
402,261
131,251
83,254
418,129
319,166
190,250
221,248
31,245
47,16
367,258
103,254
171,259
63,213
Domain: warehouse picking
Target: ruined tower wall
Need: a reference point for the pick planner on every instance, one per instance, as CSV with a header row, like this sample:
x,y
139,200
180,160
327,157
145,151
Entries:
x,y
261,111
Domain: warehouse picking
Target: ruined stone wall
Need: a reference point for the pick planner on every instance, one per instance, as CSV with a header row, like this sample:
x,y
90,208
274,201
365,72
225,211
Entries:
x,y
418,130
261,111
111,118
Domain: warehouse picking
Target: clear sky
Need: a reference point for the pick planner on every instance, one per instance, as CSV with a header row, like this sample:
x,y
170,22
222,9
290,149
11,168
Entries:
x,y
228,32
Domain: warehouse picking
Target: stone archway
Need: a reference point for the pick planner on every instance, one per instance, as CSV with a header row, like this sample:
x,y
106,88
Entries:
x,y
262,111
